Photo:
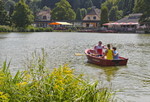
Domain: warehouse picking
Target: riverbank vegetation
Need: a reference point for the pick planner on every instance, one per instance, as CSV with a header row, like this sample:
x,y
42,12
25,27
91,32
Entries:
x,y
37,83
26,29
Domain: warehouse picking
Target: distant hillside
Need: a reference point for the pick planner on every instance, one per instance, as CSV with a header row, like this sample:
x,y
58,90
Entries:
x,y
120,7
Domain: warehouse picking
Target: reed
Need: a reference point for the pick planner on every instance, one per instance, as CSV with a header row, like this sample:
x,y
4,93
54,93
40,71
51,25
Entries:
x,y
37,84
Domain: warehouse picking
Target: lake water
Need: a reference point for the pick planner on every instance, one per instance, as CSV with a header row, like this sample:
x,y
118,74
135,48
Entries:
x,y
132,82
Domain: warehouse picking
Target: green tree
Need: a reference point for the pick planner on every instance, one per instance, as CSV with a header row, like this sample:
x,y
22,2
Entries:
x,y
125,5
98,3
139,6
4,20
63,11
22,16
104,15
83,12
78,14
88,4
115,14
49,3
146,14
142,6
109,4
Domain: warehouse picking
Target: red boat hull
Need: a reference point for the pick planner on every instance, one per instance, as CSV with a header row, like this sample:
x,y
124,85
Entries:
x,y
104,62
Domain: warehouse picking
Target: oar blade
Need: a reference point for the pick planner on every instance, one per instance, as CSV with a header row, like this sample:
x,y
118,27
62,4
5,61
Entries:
x,y
79,54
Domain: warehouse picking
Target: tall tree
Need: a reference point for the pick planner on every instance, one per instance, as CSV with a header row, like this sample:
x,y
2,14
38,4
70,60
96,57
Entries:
x,y
63,11
104,15
78,14
83,12
22,16
3,14
88,4
139,6
109,4
142,6
49,3
98,3
114,14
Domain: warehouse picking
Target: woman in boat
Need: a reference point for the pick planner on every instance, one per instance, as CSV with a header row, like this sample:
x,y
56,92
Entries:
x,y
115,54
109,53
99,49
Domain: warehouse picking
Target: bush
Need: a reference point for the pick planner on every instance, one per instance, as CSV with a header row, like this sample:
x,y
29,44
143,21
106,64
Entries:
x,y
5,29
49,29
38,84
34,29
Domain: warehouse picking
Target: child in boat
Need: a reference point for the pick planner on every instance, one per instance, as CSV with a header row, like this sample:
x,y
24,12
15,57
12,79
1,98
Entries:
x,y
109,53
99,49
115,54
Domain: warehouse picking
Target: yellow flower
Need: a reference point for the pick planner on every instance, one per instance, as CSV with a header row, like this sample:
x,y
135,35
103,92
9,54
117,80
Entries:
x,y
4,97
68,71
1,93
61,88
56,86
27,77
22,84
48,95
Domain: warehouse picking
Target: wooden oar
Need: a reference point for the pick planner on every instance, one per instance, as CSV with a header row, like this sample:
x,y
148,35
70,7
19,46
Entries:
x,y
79,54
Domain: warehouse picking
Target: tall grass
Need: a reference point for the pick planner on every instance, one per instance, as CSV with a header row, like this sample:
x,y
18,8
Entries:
x,y
37,84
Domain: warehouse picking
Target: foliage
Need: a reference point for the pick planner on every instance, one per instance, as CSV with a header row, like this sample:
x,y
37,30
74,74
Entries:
x,y
120,8
139,7
104,15
22,16
115,14
83,12
88,4
27,29
63,11
126,6
49,3
78,14
35,29
37,84
5,29
142,6
4,20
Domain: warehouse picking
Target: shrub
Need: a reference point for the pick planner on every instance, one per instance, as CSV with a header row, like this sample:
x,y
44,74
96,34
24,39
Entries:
x,y
40,85
5,29
49,29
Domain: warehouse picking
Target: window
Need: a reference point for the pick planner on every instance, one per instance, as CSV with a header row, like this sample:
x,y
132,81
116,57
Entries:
x,y
88,18
94,17
44,17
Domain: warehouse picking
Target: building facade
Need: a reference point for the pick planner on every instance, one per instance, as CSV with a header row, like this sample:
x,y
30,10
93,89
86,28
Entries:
x,y
92,19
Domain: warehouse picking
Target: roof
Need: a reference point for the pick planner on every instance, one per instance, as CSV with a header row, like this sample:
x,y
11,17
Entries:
x,y
94,11
134,18
44,12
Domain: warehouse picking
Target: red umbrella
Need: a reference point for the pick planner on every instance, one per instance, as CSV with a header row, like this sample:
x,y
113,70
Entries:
x,y
106,24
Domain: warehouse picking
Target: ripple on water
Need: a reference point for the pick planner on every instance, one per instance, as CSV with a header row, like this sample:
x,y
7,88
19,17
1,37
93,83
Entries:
x,y
132,82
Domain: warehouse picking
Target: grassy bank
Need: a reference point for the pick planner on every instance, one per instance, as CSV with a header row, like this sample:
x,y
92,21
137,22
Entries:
x,y
38,84
27,29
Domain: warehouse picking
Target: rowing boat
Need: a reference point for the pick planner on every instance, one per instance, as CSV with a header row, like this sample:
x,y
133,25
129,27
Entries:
x,y
104,62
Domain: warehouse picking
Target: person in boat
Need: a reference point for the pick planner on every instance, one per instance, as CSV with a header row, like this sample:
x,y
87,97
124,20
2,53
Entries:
x,y
109,53
115,54
99,49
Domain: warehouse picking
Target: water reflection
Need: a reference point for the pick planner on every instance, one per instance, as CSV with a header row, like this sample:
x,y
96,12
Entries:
x,y
109,72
